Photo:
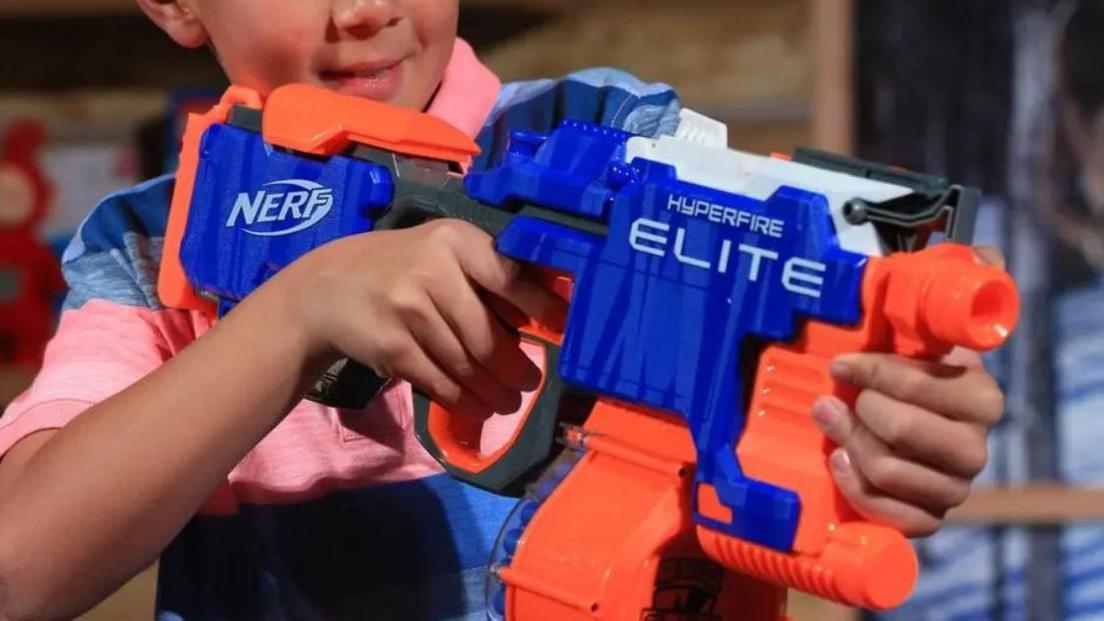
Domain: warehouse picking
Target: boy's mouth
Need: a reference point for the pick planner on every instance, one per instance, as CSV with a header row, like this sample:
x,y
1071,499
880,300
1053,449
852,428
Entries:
x,y
373,81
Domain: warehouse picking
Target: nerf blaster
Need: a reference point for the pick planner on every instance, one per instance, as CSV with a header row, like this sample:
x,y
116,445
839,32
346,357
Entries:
x,y
709,289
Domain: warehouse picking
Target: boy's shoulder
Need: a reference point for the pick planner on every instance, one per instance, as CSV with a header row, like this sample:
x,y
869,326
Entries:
x,y
117,248
139,211
601,95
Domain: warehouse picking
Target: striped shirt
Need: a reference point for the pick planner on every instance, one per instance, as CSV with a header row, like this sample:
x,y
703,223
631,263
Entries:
x,y
336,514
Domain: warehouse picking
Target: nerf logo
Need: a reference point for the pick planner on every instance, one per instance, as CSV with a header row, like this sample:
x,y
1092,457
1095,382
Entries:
x,y
799,275
297,204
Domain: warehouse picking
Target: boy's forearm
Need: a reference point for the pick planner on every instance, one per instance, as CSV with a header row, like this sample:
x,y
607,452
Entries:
x,y
99,500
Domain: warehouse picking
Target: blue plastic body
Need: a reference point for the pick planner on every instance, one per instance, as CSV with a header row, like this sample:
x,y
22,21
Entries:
x,y
255,209
688,281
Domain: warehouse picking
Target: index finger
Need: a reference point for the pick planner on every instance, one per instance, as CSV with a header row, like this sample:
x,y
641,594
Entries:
x,y
506,279
962,357
959,393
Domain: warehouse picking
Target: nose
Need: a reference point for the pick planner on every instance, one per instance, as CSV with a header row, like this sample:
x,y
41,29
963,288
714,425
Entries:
x,y
364,18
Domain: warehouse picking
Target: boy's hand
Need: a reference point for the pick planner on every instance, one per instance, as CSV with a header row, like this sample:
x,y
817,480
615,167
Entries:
x,y
917,435
409,304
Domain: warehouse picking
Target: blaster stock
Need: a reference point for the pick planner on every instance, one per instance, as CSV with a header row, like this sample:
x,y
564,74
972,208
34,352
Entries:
x,y
709,289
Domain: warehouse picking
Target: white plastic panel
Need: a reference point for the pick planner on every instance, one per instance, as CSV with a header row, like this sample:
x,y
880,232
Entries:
x,y
701,160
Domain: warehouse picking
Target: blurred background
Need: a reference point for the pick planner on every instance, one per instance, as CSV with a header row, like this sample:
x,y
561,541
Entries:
x,y
1007,95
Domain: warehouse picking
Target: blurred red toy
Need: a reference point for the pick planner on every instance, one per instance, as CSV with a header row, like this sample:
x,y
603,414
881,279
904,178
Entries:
x,y
30,276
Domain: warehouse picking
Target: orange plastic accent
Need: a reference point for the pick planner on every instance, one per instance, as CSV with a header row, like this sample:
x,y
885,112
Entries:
x,y
778,155
916,304
458,434
709,505
862,565
311,119
173,287
948,298
615,561
781,444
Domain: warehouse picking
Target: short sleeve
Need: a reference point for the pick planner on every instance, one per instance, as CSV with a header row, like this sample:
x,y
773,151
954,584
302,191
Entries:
x,y
113,330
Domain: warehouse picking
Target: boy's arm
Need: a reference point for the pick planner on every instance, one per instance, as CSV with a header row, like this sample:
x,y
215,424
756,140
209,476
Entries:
x,y
99,499
84,508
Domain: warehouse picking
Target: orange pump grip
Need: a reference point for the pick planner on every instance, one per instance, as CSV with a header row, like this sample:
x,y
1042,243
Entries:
x,y
918,304
862,565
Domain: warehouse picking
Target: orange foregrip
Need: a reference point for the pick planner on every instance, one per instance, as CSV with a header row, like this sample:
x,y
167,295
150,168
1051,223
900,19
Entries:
x,y
918,304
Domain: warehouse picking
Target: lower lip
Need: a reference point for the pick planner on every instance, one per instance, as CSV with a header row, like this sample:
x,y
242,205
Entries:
x,y
381,86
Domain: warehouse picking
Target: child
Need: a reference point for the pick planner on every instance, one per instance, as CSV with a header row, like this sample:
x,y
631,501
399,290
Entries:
x,y
139,439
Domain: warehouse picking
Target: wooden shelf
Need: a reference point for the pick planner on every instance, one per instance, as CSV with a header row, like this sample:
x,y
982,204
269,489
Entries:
x,y
1031,505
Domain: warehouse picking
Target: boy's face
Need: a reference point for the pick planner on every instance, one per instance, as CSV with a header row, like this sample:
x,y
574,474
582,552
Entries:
x,y
388,50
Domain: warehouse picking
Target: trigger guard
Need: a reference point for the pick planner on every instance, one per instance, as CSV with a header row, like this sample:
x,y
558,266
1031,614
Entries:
x,y
532,447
